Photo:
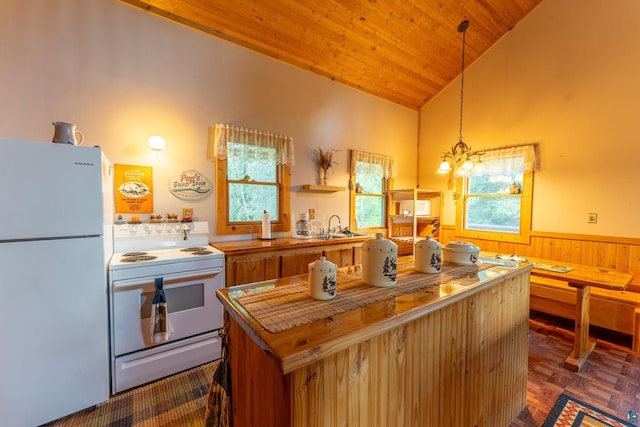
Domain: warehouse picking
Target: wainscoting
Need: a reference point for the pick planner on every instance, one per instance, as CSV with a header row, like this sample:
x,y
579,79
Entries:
x,y
617,253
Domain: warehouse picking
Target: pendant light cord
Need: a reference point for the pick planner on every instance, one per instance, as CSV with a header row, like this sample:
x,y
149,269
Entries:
x,y
462,28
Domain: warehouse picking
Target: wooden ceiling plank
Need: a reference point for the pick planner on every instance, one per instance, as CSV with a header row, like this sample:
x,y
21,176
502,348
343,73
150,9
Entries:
x,y
405,51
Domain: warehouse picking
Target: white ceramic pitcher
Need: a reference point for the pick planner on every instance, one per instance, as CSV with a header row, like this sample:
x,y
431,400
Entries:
x,y
66,133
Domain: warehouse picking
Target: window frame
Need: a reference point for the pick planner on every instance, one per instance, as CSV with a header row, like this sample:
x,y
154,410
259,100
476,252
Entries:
x,y
387,184
524,236
280,224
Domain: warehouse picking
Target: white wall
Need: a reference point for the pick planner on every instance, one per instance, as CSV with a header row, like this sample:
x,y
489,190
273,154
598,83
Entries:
x,y
121,75
565,77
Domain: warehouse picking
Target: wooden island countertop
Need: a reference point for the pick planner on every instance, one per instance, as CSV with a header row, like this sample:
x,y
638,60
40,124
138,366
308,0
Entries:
x,y
421,353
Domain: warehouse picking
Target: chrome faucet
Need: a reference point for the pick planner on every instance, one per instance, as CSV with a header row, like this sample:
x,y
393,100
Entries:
x,y
329,225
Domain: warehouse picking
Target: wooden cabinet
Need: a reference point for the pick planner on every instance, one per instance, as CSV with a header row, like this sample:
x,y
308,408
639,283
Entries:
x,y
297,262
252,267
413,213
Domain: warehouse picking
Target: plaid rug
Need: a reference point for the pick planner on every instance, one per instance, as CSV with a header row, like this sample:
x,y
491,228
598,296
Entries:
x,y
569,412
179,400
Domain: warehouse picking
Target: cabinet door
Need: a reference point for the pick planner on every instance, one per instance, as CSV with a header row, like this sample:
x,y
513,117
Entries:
x,y
340,257
298,263
251,269
294,264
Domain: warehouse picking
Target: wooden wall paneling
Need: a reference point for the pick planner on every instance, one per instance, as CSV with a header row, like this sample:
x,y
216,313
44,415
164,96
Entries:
x,y
587,253
622,258
599,249
567,250
610,252
634,260
610,255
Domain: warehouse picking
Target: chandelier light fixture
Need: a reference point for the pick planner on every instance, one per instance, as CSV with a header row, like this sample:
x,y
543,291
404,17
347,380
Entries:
x,y
460,160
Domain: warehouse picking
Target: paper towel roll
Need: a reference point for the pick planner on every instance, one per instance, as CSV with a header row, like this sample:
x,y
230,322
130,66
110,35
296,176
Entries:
x,y
266,226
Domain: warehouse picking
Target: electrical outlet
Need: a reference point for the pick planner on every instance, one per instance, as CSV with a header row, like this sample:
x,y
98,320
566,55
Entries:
x,y
312,214
592,218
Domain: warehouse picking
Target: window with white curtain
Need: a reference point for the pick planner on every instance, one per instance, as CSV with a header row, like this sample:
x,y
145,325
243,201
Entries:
x,y
252,170
496,204
371,177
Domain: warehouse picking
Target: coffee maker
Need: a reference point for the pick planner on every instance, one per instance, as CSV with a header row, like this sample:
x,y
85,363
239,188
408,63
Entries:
x,y
303,227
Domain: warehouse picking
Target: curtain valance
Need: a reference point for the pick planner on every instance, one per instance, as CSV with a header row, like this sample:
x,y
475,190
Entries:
x,y
250,139
388,163
527,152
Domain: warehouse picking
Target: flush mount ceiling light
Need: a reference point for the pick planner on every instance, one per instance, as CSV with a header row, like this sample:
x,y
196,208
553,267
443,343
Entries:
x,y
460,160
156,143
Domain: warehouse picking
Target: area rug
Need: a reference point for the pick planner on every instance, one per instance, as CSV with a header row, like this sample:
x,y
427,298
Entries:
x,y
176,401
569,412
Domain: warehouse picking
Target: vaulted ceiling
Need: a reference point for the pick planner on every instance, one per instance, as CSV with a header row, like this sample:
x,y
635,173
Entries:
x,y
404,51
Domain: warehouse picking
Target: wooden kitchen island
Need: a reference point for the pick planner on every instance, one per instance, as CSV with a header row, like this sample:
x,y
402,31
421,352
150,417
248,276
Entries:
x,y
452,351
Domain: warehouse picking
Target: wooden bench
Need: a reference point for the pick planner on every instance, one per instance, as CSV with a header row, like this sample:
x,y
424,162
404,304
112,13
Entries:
x,y
614,310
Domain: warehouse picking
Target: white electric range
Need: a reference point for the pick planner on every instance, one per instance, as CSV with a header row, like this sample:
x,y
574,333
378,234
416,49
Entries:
x,y
191,271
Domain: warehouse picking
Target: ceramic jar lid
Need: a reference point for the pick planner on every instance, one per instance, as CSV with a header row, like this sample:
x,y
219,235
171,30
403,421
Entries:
x,y
380,244
458,246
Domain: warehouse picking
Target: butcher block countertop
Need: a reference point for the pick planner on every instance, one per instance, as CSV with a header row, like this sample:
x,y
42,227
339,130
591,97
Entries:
x,y
306,343
256,245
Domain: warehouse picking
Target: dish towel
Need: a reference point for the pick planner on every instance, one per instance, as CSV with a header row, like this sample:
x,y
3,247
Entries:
x,y
160,327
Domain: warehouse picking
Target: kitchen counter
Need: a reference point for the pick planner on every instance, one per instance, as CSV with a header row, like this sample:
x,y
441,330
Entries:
x,y
255,260
406,360
256,245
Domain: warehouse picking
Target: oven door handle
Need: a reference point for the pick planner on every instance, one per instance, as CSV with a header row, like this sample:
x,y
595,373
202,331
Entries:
x,y
144,281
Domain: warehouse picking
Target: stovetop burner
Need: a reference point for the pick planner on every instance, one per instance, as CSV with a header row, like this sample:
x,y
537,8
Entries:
x,y
194,249
203,252
141,257
128,254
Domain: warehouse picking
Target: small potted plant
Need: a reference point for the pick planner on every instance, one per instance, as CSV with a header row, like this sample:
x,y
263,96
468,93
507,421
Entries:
x,y
324,160
515,188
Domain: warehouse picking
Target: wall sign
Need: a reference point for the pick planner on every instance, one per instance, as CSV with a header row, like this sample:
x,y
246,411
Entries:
x,y
190,185
133,188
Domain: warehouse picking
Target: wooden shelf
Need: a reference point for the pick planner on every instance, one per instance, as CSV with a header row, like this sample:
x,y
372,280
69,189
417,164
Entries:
x,y
321,188
405,220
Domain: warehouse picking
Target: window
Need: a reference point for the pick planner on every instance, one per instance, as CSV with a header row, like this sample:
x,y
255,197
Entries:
x,y
371,176
497,203
252,176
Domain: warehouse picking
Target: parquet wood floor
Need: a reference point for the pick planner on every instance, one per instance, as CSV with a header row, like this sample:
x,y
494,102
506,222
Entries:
x,y
609,380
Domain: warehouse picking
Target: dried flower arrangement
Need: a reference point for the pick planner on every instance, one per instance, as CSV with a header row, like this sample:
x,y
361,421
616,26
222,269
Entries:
x,y
324,158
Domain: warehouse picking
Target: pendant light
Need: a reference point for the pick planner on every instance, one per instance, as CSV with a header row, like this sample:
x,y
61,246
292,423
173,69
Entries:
x,y
460,160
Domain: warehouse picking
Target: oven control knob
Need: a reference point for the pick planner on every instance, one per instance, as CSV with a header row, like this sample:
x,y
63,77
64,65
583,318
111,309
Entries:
x,y
159,229
147,229
167,229
176,228
133,229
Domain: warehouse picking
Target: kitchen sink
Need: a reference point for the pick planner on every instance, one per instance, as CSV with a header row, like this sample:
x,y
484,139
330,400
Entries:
x,y
339,236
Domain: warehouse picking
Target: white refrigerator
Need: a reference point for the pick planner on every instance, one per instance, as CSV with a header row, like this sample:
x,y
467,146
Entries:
x,y
55,210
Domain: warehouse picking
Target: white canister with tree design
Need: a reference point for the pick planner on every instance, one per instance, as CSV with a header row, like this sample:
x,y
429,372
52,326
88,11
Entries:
x,y
427,256
322,279
379,262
